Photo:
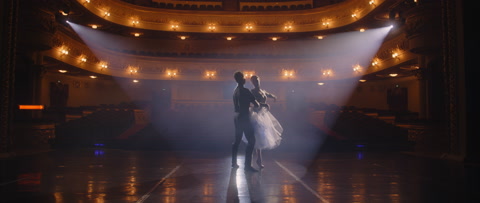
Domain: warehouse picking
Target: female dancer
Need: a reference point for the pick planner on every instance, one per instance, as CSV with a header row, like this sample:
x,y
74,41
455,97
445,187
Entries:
x,y
268,131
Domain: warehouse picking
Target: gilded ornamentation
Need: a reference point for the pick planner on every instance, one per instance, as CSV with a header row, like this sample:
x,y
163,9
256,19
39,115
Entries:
x,y
160,19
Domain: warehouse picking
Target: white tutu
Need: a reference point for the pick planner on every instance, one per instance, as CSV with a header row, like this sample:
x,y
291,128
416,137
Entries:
x,y
268,131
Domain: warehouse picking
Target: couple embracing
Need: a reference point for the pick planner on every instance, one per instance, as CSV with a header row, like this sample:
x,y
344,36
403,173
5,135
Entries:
x,y
260,127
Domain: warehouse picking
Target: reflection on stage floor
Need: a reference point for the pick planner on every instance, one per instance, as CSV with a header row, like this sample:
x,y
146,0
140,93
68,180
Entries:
x,y
119,176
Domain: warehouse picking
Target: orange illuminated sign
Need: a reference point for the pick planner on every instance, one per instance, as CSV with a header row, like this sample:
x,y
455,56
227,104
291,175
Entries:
x,y
30,107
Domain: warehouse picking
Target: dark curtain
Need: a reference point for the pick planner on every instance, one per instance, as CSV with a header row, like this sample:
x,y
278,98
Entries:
x,y
58,94
397,99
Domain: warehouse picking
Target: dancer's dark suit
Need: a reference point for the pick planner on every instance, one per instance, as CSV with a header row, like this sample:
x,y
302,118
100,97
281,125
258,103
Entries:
x,y
242,98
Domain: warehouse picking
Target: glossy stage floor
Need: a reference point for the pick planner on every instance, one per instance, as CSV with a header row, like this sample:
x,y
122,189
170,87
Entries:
x,y
205,176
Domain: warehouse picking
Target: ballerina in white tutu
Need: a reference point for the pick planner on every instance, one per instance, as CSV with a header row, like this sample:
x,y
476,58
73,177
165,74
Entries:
x,y
268,131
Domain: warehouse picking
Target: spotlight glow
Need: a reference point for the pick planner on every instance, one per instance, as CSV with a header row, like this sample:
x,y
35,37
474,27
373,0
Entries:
x,y
336,54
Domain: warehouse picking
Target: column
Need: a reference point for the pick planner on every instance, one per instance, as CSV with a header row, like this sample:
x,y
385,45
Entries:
x,y
9,10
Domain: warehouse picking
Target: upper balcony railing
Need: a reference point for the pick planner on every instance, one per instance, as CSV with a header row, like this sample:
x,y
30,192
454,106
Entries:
x,y
244,5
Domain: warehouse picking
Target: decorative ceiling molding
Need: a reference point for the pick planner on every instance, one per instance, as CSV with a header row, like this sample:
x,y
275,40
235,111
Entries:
x,y
323,18
191,68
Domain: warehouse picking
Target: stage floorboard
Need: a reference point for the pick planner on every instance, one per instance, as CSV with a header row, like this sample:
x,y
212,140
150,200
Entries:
x,y
119,176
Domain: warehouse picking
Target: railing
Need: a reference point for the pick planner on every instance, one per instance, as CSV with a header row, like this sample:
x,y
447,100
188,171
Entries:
x,y
188,5
275,5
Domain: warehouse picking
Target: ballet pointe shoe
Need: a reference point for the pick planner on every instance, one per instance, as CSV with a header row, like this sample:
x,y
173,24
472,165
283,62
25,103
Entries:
x,y
259,163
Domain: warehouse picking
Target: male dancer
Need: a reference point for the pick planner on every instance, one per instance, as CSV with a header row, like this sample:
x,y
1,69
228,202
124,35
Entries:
x,y
242,98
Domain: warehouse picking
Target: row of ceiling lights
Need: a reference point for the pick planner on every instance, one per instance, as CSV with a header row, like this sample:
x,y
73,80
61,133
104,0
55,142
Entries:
x,y
211,74
184,37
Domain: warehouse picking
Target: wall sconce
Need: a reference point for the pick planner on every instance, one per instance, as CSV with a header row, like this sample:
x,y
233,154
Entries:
x,y
375,62
248,74
249,27
362,80
133,70
357,68
62,71
362,30
103,66
64,51
288,73
136,34
288,28
210,74
212,28
320,83
83,59
319,37
174,27
274,38
327,73
183,37
393,74
372,2
395,55
354,15
135,81
229,38
172,73
93,76
326,24
134,22
94,26
106,14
